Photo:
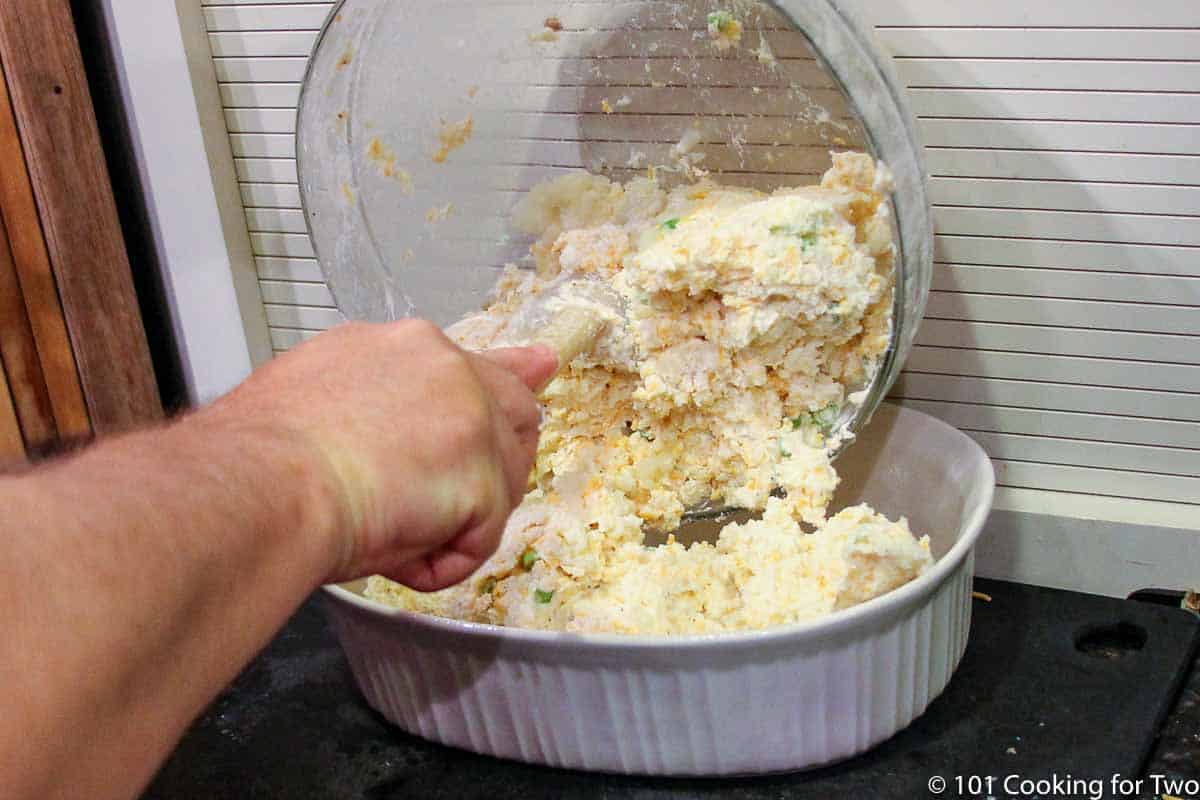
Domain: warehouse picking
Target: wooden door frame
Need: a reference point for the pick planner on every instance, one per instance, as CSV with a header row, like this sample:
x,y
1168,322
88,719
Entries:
x,y
44,73
34,342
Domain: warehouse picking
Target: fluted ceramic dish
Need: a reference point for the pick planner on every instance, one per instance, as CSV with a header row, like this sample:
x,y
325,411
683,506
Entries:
x,y
782,699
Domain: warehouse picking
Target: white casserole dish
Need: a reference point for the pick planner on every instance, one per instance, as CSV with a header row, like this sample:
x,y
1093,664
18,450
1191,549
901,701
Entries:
x,y
782,699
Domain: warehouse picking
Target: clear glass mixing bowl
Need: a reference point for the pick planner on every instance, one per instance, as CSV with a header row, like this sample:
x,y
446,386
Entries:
x,y
422,124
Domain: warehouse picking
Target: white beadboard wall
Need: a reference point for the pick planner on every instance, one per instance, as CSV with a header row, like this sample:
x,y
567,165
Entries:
x,y
1063,141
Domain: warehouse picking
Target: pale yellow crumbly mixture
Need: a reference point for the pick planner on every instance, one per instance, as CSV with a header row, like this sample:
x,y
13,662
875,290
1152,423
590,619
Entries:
x,y
747,321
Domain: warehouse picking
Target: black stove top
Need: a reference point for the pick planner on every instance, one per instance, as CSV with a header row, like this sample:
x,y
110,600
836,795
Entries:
x,y
1056,690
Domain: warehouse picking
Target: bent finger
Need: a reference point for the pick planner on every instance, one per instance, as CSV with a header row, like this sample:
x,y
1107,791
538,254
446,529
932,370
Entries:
x,y
457,560
436,571
517,450
535,366
513,401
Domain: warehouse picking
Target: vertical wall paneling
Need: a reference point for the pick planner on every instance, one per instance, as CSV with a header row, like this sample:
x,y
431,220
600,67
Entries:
x,y
217,141
1064,327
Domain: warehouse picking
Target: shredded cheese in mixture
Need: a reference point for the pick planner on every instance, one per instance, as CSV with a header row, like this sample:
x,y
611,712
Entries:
x,y
748,319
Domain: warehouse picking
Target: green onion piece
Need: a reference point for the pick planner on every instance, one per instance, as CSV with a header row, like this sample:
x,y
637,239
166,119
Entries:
x,y
488,585
719,20
824,419
529,558
828,416
543,597
671,224
808,237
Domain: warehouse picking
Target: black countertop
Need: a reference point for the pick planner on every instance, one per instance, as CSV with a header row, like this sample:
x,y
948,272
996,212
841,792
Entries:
x,y
1053,683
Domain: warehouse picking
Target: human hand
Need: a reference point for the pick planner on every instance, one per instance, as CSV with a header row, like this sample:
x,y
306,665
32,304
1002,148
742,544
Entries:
x,y
424,447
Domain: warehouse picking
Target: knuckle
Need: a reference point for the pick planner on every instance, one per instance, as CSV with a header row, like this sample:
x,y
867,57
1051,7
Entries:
x,y
421,328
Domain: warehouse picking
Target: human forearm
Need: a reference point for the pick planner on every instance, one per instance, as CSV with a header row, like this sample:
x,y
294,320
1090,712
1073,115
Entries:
x,y
138,577
164,561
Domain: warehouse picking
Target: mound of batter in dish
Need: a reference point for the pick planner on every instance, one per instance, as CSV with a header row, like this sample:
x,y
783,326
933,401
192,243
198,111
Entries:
x,y
745,323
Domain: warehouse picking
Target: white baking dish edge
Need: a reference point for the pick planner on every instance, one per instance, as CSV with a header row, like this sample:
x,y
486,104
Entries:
x,y
782,699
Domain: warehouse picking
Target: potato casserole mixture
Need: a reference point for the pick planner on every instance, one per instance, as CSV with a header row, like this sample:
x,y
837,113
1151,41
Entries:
x,y
745,324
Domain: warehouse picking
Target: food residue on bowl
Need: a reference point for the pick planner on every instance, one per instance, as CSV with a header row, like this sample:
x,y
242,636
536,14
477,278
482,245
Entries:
x,y
724,30
548,32
439,213
750,322
452,136
764,53
687,142
379,153
404,178
684,156
384,158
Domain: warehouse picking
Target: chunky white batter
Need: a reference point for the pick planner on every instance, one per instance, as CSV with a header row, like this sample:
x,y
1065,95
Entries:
x,y
747,319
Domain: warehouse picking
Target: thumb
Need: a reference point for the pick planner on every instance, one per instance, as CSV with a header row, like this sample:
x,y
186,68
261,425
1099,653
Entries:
x,y
536,366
